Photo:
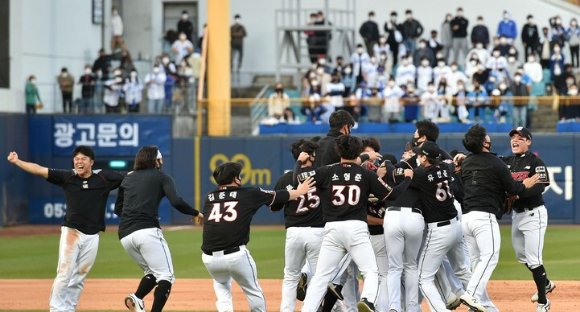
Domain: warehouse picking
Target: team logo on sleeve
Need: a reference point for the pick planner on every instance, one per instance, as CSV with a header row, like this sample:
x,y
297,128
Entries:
x,y
267,191
305,175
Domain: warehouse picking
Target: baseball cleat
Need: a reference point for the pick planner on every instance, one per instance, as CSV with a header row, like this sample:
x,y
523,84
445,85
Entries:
x,y
471,302
134,304
551,286
336,291
544,307
302,285
453,303
365,306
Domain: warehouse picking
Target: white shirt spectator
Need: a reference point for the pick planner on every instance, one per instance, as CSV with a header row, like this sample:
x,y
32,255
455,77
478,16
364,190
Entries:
x,y
112,92
117,25
494,64
534,71
371,74
155,86
441,72
392,96
406,73
430,104
183,48
335,91
277,103
453,78
482,54
358,59
424,76
133,91
378,49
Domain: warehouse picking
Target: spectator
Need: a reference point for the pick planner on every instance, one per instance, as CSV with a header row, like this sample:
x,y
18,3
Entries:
x,y
497,64
446,35
430,103
383,62
394,37
504,46
546,48
424,74
411,105
371,73
512,61
311,39
99,93
525,80
478,99
455,77
392,95
530,37
381,47
32,95
444,98
306,79
460,102
521,93
558,31
289,117
133,89
533,69
168,67
568,78
182,47
185,26
507,28
315,87
238,33
569,109
339,68
155,82
126,64
323,79
411,30
356,103
557,67
359,60
369,31
103,63
322,63
87,81
66,83
322,37
441,71
435,46
423,52
482,53
406,72
481,75
472,67
278,102
480,33
313,109
501,111
459,33
113,91
117,27
573,36
169,37
348,81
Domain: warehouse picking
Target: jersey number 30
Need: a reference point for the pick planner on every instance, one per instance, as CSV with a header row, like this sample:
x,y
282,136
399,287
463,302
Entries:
x,y
229,215
353,195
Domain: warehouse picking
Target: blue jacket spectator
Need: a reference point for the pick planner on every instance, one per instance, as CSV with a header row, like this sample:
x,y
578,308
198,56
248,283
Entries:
x,y
507,27
478,100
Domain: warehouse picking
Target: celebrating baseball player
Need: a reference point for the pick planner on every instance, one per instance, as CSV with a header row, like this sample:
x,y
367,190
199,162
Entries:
x,y
86,192
139,231
530,217
226,232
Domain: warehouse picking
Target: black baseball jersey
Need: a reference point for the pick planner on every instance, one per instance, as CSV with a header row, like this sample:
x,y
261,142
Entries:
x,y
326,154
434,186
348,186
228,212
139,197
302,212
395,175
486,179
86,199
522,167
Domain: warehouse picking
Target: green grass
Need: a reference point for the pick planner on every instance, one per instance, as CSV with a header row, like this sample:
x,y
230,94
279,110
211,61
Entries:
x,y
36,256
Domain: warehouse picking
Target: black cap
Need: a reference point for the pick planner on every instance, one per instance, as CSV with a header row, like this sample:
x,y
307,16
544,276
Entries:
x,y
429,149
521,131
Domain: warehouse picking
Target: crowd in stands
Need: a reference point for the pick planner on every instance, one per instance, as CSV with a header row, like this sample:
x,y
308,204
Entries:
x,y
458,73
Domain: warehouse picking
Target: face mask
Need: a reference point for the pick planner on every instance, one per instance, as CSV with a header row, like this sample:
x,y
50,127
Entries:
x,y
479,46
425,63
117,73
573,92
238,20
496,53
531,60
511,59
382,40
431,88
460,87
359,50
512,51
415,142
448,18
87,71
530,20
391,84
409,16
373,60
569,82
503,40
506,16
133,74
473,63
441,64
418,162
439,56
33,81
422,45
347,71
491,79
115,12
322,61
393,18
165,60
320,71
454,68
371,18
314,83
279,90
405,62
118,80
480,23
156,70
312,75
573,23
517,78
558,21
459,14
502,87
383,57
184,17
556,49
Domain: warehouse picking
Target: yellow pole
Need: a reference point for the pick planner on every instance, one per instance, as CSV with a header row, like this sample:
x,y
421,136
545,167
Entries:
x,y
218,73
201,85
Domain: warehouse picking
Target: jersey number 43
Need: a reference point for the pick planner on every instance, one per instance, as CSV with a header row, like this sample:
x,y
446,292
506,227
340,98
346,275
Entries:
x,y
230,214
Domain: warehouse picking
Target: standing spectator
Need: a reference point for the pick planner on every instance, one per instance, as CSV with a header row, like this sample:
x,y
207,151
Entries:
x,y
66,83
381,47
126,64
394,37
348,80
133,92
371,73
113,92
238,33
513,62
424,74
99,92
88,81
155,82
311,40
32,95
558,31
392,107
182,47
322,37
435,46
168,67
185,26
278,102
369,31
441,71
423,52
103,63
480,33
359,59
334,91
460,102
573,36
411,30
504,46
406,72
323,79
505,100
459,32
557,66
507,28
455,77
521,101
478,99
446,35
411,105
546,48
339,68
117,27
530,37
169,37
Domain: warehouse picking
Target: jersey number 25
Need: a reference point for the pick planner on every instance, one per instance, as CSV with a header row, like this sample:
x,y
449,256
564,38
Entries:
x,y
229,215
308,201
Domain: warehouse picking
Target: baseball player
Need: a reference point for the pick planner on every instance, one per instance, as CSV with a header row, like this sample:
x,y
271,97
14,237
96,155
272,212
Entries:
x,y
138,207
485,181
304,227
346,230
226,232
341,123
86,192
530,217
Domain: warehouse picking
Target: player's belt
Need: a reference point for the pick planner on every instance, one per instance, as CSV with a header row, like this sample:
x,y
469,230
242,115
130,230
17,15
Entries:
x,y
226,251
520,210
442,223
405,209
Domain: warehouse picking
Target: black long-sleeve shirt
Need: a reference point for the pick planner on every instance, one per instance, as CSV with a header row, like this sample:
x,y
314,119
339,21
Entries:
x,y
461,31
139,197
486,179
369,30
522,167
326,154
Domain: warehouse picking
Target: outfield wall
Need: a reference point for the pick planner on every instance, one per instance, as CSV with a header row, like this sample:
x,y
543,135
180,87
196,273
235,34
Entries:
x,y
48,140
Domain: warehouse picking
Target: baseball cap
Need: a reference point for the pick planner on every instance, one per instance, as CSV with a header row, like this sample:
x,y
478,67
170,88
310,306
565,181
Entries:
x,y
429,149
521,131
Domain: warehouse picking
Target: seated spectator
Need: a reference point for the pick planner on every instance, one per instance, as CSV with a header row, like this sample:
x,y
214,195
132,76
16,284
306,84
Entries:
x,y
306,82
155,82
569,108
424,75
480,33
482,54
471,66
406,71
313,109
423,52
323,78
533,69
339,68
507,28
392,95
435,45
383,62
444,100
334,91
504,46
441,71
481,75
478,100
133,89
381,46
348,80
113,91
454,77
314,88
182,47
411,102
430,103
356,106
371,72
501,113
289,117
278,102
512,61
322,63
497,65
459,103
521,100
491,84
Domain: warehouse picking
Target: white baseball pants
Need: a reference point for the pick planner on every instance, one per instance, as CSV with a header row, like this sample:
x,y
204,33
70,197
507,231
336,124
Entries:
x,y
528,231
378,242
76,256
241,267
341,237
149,250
